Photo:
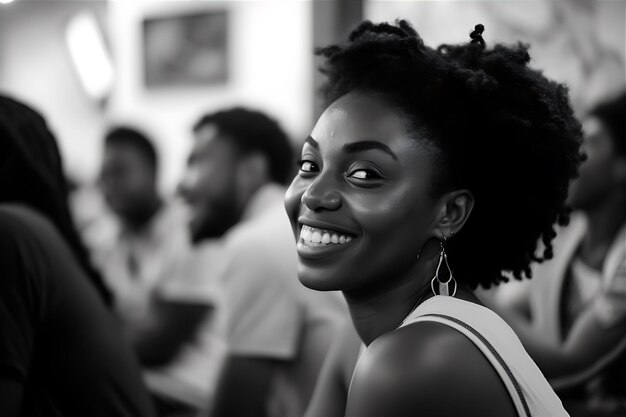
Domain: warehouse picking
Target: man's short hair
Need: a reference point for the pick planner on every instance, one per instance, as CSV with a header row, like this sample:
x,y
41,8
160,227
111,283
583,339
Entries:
x,y
254,131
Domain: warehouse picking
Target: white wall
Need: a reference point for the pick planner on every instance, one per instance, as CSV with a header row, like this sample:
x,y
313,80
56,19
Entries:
x,y
270,69
35,67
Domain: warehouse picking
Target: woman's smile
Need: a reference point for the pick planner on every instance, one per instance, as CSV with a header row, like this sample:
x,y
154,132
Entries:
x,y
312,236
360,205
318,239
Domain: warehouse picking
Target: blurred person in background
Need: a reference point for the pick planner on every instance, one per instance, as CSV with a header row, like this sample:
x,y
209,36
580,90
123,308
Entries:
x,y
278,332
163,292
576,327
62,352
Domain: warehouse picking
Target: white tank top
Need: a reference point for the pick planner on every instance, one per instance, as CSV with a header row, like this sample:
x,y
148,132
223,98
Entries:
x,y
530,391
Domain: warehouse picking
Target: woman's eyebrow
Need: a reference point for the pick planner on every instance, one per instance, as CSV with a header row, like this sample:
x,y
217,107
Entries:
x,y
312,142
367,145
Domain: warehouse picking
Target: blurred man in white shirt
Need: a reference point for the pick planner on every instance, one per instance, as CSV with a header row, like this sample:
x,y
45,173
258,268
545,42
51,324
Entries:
x,y
278,332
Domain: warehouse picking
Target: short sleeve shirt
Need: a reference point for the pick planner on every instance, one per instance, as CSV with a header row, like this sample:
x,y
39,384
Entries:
x,y
259,278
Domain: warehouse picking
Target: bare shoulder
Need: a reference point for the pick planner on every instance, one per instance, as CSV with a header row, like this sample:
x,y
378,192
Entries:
x,y
429,367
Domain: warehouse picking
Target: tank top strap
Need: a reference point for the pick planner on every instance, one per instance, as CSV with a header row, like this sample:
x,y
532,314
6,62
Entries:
x,y
456,313
528,389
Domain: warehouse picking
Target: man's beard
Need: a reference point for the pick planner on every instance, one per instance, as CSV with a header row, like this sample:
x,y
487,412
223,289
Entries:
x,y
224,215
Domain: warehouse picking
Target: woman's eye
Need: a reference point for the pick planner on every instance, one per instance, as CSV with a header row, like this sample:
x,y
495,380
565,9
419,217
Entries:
x,y
308,166
364,174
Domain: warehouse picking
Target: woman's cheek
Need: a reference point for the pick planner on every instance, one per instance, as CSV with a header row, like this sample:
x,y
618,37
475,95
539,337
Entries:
x,y
292,199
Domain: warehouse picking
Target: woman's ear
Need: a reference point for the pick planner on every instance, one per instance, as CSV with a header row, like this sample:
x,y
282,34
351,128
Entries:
x,y
456,207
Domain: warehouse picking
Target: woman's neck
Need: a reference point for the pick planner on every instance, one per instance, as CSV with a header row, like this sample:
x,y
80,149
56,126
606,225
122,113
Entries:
x,y
376,315
376,311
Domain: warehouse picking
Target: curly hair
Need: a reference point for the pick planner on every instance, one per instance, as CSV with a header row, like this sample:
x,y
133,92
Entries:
x,y
503,131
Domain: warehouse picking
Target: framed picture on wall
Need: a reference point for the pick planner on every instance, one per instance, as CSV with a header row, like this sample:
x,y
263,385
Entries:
x,y
186,50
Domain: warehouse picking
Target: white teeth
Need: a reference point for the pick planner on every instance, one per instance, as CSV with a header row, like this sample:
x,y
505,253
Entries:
x,y
320,237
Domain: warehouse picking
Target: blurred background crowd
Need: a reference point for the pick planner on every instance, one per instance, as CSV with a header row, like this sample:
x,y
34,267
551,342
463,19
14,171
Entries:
x,y
177,124
160,64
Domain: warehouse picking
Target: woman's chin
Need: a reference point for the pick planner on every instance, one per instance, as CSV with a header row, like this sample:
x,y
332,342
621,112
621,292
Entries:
x,y
318,283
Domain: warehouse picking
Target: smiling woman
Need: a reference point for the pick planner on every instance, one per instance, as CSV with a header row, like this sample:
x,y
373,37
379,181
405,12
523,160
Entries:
x,y
432,171
364,161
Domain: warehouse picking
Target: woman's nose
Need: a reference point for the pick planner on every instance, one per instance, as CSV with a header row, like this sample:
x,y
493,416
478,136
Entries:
x,y
318,197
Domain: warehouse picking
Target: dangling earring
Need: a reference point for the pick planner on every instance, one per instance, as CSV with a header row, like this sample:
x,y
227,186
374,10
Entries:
x,y
443,286
419,252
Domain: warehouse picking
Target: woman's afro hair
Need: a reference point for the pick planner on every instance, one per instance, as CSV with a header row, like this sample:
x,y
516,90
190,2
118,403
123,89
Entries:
x,y
503,130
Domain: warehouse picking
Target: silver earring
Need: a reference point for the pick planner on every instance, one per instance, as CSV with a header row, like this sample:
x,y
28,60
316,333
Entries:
x,y
443,286
419,252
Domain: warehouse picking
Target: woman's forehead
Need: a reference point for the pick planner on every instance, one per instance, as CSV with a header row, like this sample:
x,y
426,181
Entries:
x,y
359,116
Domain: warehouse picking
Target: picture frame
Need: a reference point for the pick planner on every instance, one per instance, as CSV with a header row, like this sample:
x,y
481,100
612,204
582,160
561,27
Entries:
x,y
186,50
